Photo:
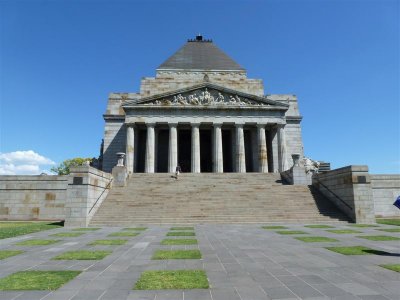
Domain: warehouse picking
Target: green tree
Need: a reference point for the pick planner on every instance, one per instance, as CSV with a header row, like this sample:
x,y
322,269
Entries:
x,y
63,168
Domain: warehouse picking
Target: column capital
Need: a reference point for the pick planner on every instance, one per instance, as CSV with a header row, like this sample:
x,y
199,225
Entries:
x,y
261,125
172,124
239,124
130,125
217,124
195,124
151,124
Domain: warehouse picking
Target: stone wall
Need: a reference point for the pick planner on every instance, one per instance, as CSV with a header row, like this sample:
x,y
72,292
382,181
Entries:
x,y
114,141
33,197
87,189
349,188
385,190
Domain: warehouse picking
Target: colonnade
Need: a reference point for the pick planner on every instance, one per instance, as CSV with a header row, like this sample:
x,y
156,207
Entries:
x,y
240,159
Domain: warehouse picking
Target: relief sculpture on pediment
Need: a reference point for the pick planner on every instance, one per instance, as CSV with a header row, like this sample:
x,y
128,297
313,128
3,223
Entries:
x,y
205,97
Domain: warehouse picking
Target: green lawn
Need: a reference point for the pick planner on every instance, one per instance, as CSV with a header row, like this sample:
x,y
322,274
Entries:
x,y
291,232
8,253
356,250
124,233
379,238
390,229
181,233
36,280
136,228
389,221
68,234
344,231
12,229
178,279
315,239
319,226
86,229
274,227
393,267
182,228
108,242
37,242
179,242
177,254
363,225
82,255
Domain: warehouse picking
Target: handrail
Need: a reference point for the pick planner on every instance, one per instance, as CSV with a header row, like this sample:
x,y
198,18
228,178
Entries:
x,y
106,187
340,199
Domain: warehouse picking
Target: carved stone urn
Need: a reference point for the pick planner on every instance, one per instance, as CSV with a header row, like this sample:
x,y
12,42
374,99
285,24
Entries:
x,y
296,159
121,156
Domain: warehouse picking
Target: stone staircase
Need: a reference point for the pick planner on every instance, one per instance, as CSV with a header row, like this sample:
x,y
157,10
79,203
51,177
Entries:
x,y
212,198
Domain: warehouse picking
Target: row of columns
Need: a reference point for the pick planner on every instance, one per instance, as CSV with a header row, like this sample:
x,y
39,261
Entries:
x,y
217,151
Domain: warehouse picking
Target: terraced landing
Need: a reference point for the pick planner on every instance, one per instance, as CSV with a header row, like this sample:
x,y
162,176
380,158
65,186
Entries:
x,y
212,198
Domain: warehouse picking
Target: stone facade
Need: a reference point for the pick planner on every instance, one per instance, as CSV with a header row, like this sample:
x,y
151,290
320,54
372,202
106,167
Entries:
x,y
221,112
385,190
33,197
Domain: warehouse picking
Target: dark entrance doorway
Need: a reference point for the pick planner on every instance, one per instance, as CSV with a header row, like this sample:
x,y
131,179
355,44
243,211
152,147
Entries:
x,y
185,149
227,150
205,151
248,149
140,150
162,150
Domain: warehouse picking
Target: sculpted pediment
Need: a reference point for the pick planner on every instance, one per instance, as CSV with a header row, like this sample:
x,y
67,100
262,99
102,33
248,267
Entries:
x,y
205,95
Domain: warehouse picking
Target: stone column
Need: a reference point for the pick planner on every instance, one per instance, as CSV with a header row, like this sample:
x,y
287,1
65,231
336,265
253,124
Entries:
x,y
195,148
240,154
262,149
173,147
218,159
274,148
149,165
282,148
130,144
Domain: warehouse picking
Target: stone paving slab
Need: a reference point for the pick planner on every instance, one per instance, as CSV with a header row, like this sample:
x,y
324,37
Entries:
x,y
242,262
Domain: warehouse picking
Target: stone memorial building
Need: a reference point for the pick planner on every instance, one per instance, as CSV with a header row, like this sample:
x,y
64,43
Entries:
x,y
201,112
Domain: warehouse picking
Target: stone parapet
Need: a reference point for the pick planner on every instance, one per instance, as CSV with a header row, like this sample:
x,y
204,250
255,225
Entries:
x,y
87,188
385,190
349,188
36,197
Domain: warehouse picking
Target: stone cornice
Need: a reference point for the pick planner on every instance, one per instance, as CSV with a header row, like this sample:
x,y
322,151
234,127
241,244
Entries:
x,y
114,117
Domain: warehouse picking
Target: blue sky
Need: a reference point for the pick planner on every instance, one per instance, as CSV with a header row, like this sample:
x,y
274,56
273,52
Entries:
x,y
59,60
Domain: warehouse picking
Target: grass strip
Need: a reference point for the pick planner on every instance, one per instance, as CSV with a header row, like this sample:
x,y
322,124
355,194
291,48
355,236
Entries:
x,y
37,242
357,250
291,232
319,226
12,229
82,255
177,279
395,222
343,231
86,229
315,239
390,229
67,234
181,233
274,227
124,233
363,225
179,242
135,228
37,280
177,254
379,238
182,228
108,242
392,267
8,253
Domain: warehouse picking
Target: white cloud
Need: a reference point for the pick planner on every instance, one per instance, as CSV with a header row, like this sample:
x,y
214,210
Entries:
x,y
23,163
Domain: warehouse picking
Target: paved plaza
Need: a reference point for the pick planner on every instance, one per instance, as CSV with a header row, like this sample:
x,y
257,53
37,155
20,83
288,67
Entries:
x,y
241,262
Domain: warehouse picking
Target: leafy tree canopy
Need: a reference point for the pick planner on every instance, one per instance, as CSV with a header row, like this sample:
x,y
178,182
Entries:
x,y
63,168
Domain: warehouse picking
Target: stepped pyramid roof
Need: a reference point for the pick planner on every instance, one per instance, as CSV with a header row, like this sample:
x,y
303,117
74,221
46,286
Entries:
x,y
200,54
